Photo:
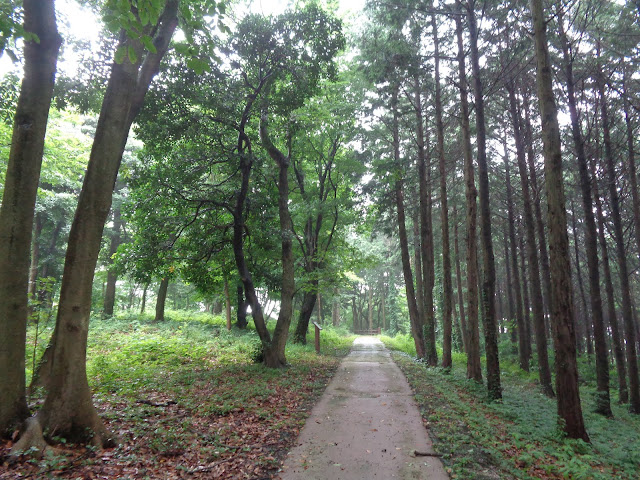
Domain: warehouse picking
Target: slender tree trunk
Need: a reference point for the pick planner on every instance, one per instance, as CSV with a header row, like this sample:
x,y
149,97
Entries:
x,y
627,312
569,407
544,371
584,318
227,303
618,349
631,165
523,350
335,311
512,325
536,194
370,307
425,283
35,259
474,369
112,277
488,263
418,269
526,304
18,203
447,287
162,299
456,252
144,298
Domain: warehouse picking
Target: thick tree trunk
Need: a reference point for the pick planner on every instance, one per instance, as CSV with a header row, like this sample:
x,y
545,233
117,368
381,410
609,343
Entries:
x,y
162,299
308,303
18,203
523,350
417,261
569,407
625,288
68,409
274,354
474,369
494,388
447,287
544,371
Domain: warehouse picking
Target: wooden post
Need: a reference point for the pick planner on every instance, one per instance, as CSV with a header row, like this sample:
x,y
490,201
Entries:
x,y
318,328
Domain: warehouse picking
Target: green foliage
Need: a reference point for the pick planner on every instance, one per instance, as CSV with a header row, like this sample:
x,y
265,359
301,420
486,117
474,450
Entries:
x,y
520,436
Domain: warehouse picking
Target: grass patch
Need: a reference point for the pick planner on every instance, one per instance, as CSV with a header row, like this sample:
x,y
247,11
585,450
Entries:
x,y
518,437
187,398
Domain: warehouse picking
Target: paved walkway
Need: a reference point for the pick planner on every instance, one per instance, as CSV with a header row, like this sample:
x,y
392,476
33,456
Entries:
x,y
366,425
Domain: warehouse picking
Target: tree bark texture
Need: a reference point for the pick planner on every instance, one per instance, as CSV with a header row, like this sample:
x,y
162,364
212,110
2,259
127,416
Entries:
x,y
112,277
618,234
18,203
494,388
461,312
68,410
568,394
162,299
274,354
426,314
474,369
447,287
544,371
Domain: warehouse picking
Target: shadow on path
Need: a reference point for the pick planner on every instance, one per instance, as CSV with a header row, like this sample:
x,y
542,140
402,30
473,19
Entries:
x,y
366,425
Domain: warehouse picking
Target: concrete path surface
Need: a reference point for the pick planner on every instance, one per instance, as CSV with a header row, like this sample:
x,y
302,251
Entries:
x,y
366,425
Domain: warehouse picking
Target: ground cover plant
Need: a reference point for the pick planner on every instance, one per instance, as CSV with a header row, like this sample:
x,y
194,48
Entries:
x,y
518,437
187,400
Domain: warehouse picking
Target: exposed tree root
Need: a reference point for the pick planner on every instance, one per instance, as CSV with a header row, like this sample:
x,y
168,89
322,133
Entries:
x,y
32,440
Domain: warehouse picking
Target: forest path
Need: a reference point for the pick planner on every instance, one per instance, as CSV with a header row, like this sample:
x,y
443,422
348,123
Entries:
x,y
366,425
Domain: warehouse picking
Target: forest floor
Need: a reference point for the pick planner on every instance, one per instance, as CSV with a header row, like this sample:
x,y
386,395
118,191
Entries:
x,y
188,401
518,437
366,425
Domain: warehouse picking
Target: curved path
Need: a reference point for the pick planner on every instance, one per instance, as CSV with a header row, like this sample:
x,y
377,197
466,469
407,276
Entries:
x,y
366,425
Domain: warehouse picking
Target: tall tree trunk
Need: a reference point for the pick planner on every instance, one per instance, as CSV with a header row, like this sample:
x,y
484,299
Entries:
x,y
544,371
618,349
584,318
569,407
306,309
523,350
274,354
512,324
68,409
526,305
474,368
112,277
625,288
536,194
420,279
494,388
425,282
447,287
162,299
631,165
456,252
18,203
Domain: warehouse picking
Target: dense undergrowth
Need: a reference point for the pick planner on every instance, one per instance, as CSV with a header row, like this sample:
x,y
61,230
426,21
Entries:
x,y
518,437
187,400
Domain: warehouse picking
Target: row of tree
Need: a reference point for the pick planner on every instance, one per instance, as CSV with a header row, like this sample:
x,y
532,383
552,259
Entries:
x,y
436,148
